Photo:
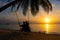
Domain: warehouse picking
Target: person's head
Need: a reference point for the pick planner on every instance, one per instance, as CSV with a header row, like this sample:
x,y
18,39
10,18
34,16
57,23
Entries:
x,y
26,21
23,22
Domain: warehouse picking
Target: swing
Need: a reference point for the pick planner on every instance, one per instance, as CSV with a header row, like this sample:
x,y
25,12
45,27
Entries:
x,y
25,25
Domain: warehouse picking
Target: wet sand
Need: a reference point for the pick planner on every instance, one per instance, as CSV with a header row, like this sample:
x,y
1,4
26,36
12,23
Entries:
x,y
16,35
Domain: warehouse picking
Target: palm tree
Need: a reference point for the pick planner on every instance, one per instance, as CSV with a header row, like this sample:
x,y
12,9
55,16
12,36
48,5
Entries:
x,y
33,4
25,4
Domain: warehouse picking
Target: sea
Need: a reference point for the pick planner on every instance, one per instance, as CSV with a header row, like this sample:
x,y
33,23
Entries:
x,y
45,28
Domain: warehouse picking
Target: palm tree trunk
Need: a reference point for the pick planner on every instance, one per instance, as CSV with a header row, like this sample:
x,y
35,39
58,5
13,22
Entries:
x,y
6,6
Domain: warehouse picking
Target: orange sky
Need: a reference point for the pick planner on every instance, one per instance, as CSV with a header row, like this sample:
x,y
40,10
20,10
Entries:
x,y
53,15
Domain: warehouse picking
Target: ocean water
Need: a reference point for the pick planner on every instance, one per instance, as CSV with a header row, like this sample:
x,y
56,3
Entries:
x,y
46,28
10,26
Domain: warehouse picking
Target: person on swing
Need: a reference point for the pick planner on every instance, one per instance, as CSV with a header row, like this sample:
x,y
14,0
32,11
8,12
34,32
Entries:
x,y
25,27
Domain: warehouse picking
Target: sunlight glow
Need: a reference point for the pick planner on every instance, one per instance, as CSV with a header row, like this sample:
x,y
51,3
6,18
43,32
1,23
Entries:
x,y
47,27
47,20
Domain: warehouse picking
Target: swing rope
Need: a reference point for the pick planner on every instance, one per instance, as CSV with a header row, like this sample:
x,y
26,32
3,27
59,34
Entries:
x,y
17,18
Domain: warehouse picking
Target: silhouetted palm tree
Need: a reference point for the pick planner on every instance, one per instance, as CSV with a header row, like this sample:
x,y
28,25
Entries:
x,y
33,4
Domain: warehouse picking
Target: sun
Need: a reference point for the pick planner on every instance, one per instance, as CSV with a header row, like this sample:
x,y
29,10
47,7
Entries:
x,y
47,20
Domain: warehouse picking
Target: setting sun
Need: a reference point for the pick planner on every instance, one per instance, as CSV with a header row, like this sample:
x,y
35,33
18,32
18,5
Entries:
x,y
47,20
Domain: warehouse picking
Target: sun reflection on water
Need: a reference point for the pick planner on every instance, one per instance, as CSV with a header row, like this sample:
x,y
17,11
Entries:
x,y
47,28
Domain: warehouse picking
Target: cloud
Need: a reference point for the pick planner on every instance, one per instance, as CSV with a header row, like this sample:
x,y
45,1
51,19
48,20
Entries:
x,y
58,11
0,2
53,5
3,3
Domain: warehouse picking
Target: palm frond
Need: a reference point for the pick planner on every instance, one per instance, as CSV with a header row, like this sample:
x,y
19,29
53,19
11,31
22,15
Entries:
x,y
25,7
34,5
18,6
6,6
46,5
8,0
49,4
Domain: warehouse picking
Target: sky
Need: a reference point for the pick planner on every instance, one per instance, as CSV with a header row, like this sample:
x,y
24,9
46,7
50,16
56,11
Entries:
x,y
7,17
53,15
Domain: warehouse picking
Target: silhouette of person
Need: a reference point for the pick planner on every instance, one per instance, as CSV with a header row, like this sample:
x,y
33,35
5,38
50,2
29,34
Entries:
x,y
25,27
